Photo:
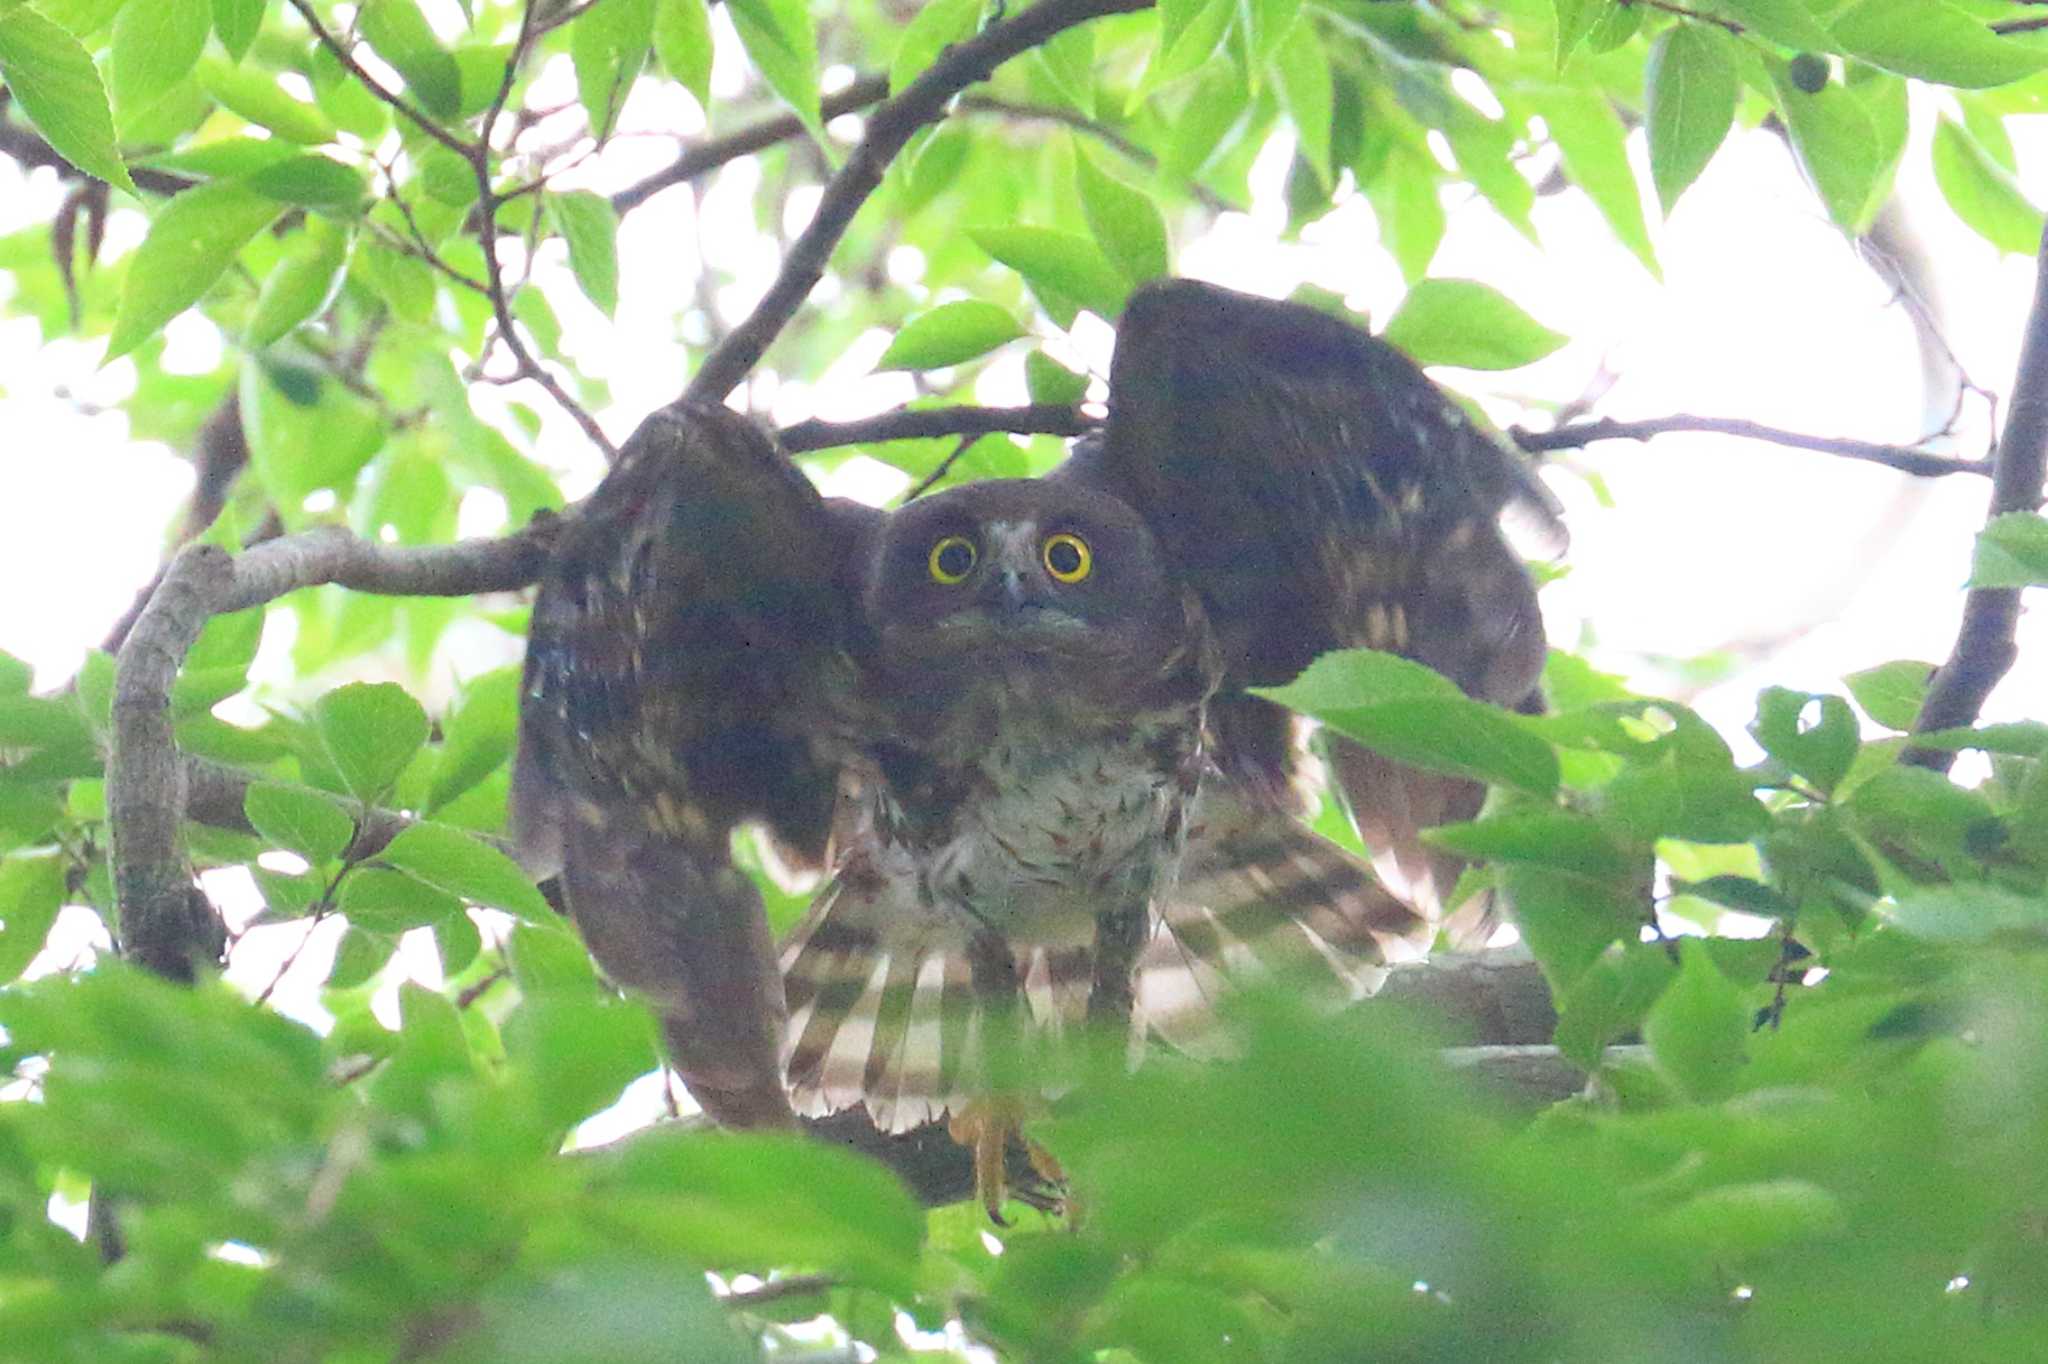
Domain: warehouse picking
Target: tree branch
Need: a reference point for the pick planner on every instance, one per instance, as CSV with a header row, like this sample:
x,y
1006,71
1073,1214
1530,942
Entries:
x,y
1901,457
922,102
708,156
1986,646
22,146
163,922
1047,419
374,86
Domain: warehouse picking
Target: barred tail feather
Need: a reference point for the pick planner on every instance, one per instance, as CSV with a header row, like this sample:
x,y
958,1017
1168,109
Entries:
x,y
1260,895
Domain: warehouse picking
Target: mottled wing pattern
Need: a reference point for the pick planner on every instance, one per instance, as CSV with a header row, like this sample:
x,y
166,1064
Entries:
x,y
1320,493
685,673
1262,896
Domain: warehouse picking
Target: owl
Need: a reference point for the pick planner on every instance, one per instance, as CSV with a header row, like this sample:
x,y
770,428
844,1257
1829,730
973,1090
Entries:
x,y
1010,721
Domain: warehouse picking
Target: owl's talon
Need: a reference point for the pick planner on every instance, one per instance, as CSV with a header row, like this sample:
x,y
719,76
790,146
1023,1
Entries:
x,y
985,1127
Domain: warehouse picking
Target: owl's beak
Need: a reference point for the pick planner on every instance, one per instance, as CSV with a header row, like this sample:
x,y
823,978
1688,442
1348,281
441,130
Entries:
x,y
1007,591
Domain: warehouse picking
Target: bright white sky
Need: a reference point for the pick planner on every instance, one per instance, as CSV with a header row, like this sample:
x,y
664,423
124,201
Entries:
x,y
1763,312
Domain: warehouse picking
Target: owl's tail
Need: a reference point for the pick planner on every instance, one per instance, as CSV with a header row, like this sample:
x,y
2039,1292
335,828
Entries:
x,y
895,1023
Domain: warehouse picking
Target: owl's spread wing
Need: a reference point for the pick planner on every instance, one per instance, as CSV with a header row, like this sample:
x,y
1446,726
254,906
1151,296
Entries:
x,y
686,672
1320,493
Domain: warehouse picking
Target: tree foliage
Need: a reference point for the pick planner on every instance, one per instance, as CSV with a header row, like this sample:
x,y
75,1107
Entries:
x,y
1831,1141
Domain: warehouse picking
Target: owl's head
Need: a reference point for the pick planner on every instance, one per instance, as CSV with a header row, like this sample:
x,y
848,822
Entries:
x,y
1021,571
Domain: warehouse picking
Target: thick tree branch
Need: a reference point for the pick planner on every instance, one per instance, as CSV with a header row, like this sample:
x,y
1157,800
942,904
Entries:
x,y
163,922
1049,419
1901,457
1986,645
922,102
708,156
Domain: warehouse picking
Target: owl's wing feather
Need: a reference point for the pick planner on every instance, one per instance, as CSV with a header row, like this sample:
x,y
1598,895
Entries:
x,y
1320,492
680,678
1261,895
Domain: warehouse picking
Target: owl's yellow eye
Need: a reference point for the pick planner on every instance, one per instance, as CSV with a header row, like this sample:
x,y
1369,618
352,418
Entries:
x,y
952,559
1067,557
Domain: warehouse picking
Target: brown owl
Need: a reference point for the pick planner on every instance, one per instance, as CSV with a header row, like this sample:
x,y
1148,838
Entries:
x,y
1010,718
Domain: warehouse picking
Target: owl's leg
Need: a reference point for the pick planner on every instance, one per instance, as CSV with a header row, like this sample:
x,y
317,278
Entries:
x,y
986,1124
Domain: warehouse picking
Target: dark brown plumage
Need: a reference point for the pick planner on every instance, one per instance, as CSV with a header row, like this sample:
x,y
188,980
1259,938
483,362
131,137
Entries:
x,y
1011,717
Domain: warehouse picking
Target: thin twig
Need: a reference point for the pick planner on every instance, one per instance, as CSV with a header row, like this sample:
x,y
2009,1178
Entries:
x,y
944,467
479,158
1900,457
708,156
376,87
1986,646
922,102
1684,13
2019,25
1046,419
22,146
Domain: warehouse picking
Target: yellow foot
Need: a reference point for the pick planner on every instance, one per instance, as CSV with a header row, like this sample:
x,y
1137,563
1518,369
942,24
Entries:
x,y
985,1127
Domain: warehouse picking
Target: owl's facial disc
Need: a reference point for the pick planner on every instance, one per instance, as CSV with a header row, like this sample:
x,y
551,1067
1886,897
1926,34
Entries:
x,y
1013,586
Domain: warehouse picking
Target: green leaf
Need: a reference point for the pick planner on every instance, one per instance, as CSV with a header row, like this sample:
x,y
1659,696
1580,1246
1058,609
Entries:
x,y
1698,1030
54,81
1789,22
400,34
1934,41
1190,31
1969,914
1065,263
236,23
313,181
1464,322
949,334
1703,804
1594,145
575,1050
548,958
261,100
461,865
480,735
301,284
1839,147
591,229
1569,920
608,43
783,41
1068,62
936,26
1983,193
682,40
1049,381
1545,838
1415,715
1691,84
299,819
385,901
1891,693
725,1200
190,245
370,731
1608,1002
2012,551
1301,68
154,48
1125,222
1820,752
31,893
1410,210
1575,19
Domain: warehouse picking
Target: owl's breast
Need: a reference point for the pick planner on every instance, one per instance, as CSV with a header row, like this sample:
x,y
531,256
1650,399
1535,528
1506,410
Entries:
x,y
1057,828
